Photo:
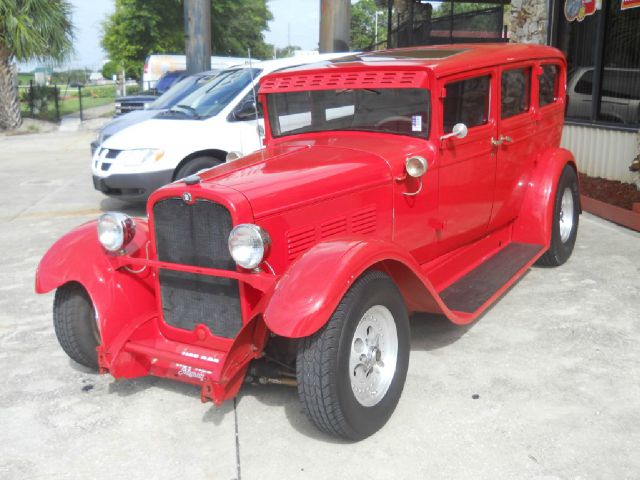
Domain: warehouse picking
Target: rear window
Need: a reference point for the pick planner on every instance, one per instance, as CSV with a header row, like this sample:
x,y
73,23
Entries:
x,y
402,111
548,81
516,92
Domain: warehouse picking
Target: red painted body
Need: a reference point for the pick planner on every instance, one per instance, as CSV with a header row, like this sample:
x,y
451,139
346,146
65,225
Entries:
x,y
334,207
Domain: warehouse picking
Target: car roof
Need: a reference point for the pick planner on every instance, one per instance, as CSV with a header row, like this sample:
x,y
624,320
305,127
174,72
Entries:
x,y
440,59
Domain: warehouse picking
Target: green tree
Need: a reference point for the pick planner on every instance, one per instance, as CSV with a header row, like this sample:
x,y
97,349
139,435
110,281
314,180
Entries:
x,y
139,28
363,25
34,29
109,69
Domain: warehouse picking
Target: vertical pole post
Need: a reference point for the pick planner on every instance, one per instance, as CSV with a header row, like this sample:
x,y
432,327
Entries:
x,y
80,100
197,35
451,22
31,97
389,22
56,92
335,25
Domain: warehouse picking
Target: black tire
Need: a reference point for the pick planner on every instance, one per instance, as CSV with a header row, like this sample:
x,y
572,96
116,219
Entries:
x,y
75,324
560,250
195,165
324,383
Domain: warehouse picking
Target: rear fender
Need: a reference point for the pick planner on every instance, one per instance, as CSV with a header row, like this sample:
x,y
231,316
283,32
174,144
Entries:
x,y
534,224
306,296
118,295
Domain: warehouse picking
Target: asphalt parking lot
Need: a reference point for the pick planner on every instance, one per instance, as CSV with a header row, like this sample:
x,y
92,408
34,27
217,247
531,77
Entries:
x,y
555,366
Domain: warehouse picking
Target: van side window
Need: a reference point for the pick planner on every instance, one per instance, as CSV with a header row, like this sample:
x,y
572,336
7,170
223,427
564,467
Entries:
x,y
467,101
548,81
516,92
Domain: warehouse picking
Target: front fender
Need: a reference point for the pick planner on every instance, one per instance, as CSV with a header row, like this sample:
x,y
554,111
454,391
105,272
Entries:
x,y
534,224
306,296
118,295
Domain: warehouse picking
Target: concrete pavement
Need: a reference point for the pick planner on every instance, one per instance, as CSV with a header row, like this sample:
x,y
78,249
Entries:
x,y
555,365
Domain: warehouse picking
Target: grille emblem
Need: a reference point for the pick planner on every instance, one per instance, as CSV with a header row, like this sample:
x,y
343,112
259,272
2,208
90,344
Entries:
x,y
186,196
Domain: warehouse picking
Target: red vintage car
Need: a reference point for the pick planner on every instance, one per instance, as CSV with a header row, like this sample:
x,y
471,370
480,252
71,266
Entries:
x,y
411,180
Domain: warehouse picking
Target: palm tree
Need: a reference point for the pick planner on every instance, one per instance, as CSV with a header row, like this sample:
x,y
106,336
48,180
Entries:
x,y
29,29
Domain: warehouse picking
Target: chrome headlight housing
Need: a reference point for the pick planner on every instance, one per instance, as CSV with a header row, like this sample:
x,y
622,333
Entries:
x,y
248,245
115,230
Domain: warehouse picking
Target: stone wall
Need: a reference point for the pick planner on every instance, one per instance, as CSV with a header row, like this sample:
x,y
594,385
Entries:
x,y
529,21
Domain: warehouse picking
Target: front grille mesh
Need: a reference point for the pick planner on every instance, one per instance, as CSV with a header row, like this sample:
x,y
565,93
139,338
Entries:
x,y
196,234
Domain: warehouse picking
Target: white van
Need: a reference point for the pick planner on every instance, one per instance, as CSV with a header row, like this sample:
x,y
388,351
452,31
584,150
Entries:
x,y
195,134
155,66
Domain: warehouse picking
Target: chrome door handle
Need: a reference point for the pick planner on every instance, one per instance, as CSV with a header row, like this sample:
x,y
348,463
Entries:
x,y
501,140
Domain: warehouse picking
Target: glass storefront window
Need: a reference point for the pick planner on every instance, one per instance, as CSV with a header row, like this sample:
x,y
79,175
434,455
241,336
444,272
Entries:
x,y
603,56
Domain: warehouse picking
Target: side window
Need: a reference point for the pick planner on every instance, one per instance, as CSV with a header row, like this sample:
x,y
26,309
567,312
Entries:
x,y
467,101
248,98
515,92
548,81
585,84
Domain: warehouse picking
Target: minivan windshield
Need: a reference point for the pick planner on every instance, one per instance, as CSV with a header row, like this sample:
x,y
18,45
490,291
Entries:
x,y
402,111
208,100
180,90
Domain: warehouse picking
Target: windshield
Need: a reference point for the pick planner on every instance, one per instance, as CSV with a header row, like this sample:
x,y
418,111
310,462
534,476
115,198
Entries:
x,y
402,111
178,91
210,99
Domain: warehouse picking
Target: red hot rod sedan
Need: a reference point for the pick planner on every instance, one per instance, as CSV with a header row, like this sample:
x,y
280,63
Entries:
x,y
411,180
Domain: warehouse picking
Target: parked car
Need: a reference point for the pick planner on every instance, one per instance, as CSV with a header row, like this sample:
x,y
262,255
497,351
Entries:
x,y
620,101
130,103
413,180
196,133
159,104
156,66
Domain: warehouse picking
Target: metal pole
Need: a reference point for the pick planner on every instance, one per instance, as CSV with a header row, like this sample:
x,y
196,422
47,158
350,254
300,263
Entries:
x,y
80,100
56,92
335,25
197,35
389,21
31,97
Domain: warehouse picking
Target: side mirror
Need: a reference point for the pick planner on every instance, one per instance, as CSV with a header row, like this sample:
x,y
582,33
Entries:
x,y
459,130
246,111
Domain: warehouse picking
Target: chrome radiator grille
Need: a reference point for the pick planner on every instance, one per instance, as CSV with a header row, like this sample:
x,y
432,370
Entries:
x,y
196,234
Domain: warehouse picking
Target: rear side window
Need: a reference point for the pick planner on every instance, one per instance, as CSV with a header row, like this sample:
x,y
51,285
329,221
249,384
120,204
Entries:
x,y
467,102
548,81
515,92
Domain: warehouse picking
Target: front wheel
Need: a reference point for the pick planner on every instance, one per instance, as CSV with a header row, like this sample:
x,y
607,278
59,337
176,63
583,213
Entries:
x,y
75,323
195,165
351,372
566,214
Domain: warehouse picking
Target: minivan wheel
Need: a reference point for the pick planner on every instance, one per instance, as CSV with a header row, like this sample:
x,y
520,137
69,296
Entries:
x,y
566,215
195,165
352,371
74,320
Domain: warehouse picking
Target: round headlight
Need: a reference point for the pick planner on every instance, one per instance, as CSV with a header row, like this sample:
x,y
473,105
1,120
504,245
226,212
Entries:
x,y
115,230
248,245
416,166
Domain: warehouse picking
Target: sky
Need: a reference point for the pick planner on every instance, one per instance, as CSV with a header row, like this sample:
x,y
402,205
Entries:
x,y
296,20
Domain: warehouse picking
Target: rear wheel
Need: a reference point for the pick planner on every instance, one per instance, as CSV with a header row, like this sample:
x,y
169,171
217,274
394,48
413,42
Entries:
x,y
566,211
195,165
351,372
75,324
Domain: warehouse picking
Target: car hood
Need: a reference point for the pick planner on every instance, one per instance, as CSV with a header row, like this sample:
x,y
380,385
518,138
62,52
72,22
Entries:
x,y
126,120
292,175
153,133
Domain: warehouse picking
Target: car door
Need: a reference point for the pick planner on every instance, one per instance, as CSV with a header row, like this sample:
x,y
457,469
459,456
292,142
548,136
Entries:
x,y
243,121
515,143
466,165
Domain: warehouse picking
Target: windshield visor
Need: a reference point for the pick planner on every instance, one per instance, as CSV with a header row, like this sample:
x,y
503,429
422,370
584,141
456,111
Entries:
x,y
401,111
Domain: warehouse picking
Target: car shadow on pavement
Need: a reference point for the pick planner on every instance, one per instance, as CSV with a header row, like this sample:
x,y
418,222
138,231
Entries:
x,y
115,205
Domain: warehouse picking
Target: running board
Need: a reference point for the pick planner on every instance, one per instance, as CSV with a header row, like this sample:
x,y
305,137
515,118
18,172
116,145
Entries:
x,y
475,288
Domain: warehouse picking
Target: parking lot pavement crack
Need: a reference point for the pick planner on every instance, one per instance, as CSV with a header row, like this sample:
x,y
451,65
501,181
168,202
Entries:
x,y
235,418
